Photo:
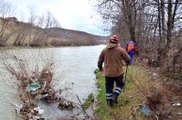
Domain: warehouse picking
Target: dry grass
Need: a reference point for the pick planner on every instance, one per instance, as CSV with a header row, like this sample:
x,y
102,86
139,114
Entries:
x,y
152,92
141,90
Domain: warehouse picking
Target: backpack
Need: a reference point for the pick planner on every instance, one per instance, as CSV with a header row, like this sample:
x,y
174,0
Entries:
x,y
130,46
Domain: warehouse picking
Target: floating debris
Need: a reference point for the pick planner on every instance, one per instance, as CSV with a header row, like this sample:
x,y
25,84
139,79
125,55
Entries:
x,y
176,104
39,110
18,108
65,104
33,86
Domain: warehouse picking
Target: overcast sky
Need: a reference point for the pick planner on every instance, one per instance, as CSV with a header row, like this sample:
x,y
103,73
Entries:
x,y
71,14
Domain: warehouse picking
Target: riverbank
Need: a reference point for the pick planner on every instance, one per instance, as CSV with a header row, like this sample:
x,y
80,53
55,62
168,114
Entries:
x,y
145,98
43,47
126,100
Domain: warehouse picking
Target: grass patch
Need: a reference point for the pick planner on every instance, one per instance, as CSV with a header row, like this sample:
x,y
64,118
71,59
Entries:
x,y
88,101
137,77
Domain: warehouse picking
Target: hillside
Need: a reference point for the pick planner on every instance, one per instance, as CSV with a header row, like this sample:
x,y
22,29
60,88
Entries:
x,y
73,37
16,33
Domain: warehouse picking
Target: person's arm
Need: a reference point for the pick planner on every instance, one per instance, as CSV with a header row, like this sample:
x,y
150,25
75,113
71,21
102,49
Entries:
x,y
126,48
101,60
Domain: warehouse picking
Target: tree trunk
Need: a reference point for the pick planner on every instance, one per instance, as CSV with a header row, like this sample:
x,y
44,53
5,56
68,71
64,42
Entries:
x,y
163,22
169,25
168,56
127,10
159,21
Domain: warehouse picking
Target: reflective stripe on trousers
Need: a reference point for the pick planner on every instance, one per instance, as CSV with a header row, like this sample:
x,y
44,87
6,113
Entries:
x,y
109,85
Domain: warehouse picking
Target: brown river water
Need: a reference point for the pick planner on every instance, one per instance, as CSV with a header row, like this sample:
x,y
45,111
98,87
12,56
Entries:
x,y
74,70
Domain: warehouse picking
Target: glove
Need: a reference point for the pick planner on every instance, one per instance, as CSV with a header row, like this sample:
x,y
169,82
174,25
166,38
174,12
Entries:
x,y
127,63
100,69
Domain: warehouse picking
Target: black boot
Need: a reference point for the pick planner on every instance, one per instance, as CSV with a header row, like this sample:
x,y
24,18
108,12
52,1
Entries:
x,y
115,98
110,102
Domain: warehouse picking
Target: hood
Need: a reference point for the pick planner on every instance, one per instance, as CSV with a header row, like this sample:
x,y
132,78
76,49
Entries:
x,y
111,45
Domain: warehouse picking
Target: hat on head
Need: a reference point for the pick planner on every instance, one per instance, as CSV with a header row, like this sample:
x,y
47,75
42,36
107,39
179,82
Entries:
x,y
114,39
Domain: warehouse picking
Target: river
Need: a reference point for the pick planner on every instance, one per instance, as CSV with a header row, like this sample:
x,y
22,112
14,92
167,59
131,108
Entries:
x,y
74,69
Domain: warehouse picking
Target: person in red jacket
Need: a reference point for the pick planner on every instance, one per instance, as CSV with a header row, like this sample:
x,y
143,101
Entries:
x,y
112,57
131,49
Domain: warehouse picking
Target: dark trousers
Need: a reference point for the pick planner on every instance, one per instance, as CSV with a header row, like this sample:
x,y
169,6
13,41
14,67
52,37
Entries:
x,y
109,85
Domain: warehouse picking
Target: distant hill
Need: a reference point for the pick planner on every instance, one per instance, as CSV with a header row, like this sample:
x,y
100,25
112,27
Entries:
x,y
76,37
16,33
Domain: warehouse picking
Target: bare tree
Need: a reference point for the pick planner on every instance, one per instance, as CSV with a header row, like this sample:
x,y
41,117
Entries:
x,y
20,37
151,23
38,24
172,17
127,14
6,9
50,21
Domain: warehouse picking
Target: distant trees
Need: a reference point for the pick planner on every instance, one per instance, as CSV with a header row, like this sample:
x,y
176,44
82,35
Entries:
x,y
20,37
20,33
6,9
37,25
35,31
125,16
65,37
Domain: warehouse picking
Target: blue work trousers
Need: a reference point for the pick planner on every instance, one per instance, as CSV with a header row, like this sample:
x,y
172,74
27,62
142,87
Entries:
x,y
131,54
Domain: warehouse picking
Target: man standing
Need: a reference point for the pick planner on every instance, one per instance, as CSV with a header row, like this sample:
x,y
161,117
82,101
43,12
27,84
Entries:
x,y
112,57
131,48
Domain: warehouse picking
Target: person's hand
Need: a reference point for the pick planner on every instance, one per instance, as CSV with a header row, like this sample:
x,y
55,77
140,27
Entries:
x,y
100,69
102,72
127,63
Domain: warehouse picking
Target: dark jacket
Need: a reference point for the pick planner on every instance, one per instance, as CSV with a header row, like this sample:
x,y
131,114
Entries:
x,y
112,56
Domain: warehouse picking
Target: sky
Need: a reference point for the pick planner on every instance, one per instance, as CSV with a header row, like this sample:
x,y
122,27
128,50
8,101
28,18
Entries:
x,y
71,14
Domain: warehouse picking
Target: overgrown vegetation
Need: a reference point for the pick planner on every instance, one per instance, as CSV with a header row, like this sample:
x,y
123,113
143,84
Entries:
x,y
141,92
24,76
155,25
88,102
127,99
